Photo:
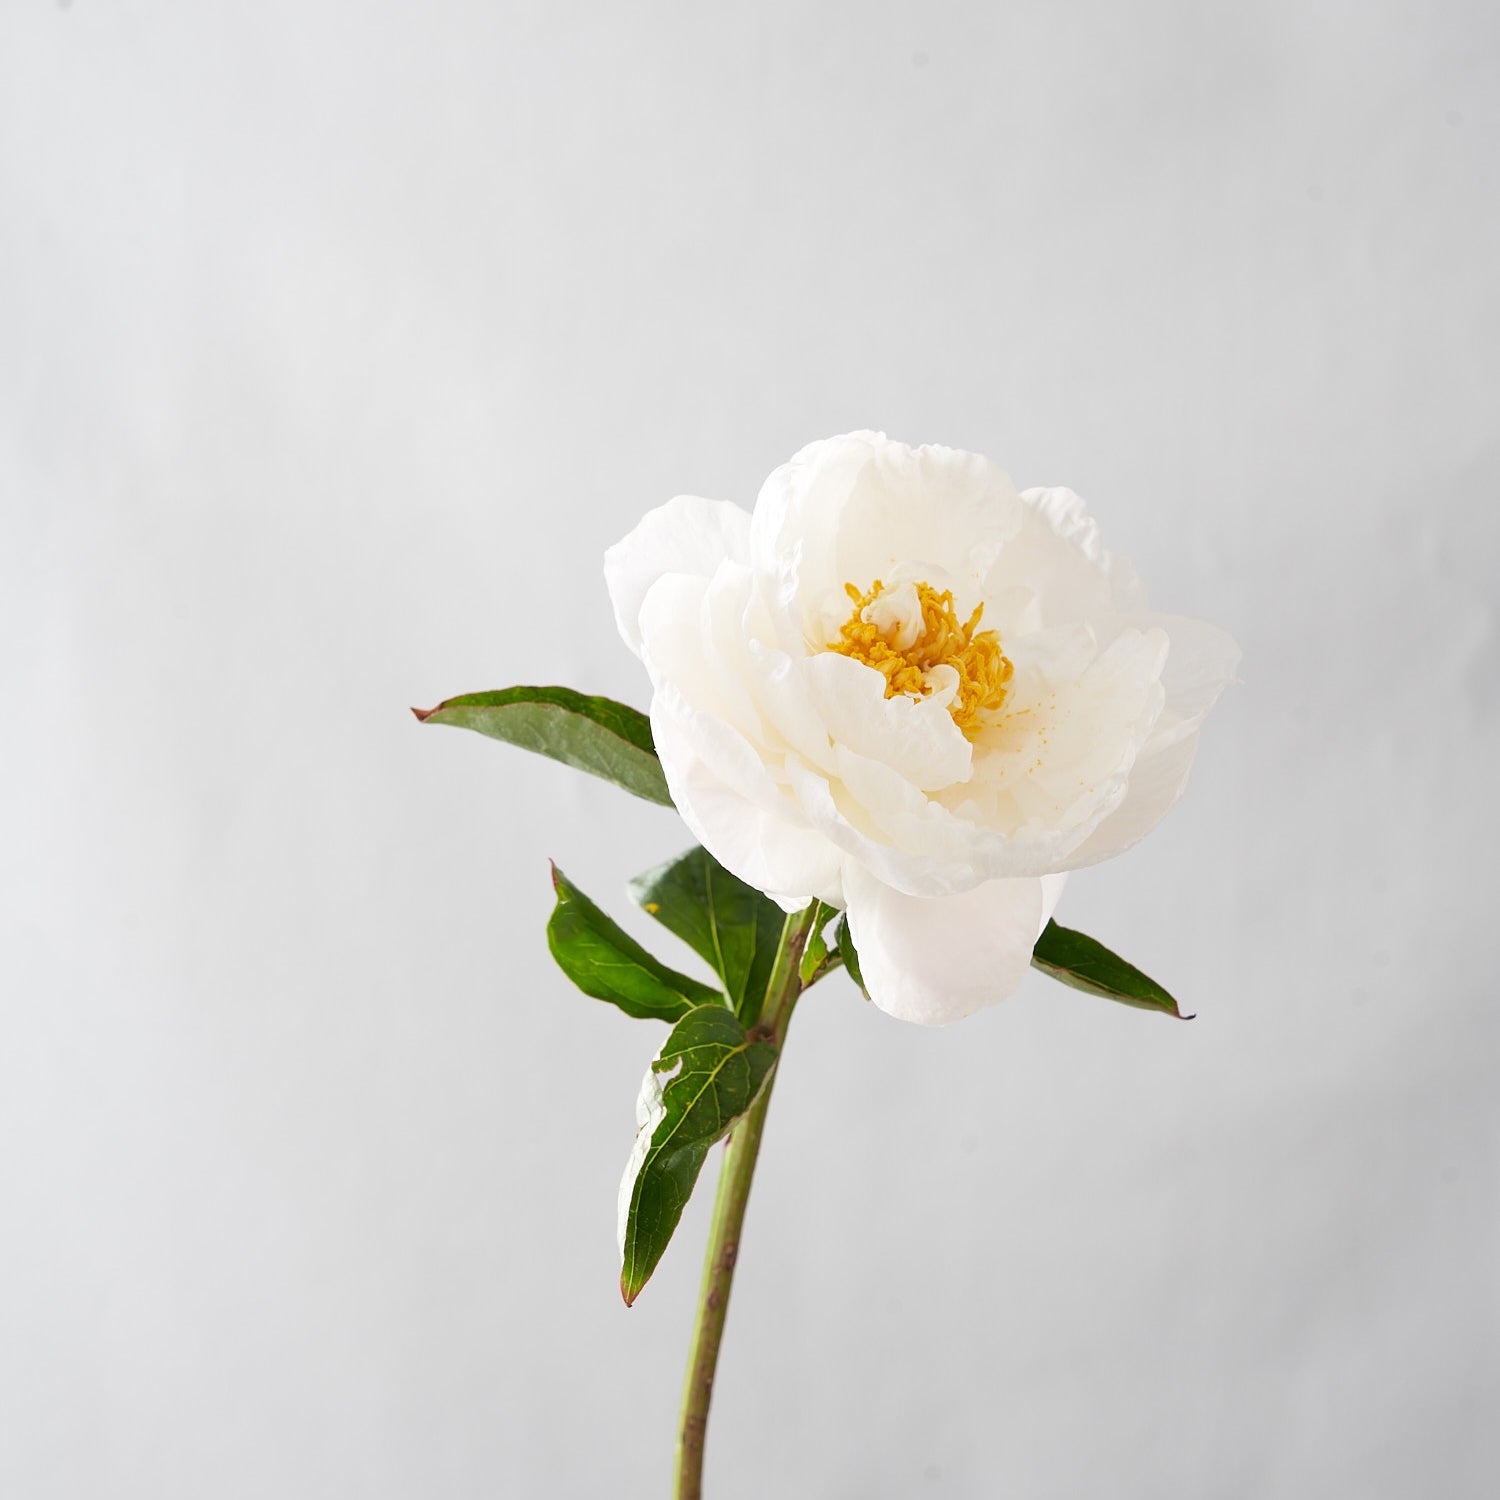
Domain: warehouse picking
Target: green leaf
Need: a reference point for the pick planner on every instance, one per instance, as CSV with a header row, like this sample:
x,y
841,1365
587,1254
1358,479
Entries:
x,y
817,957
845,943
705,1077
598,735
1087,965
605,962
731,925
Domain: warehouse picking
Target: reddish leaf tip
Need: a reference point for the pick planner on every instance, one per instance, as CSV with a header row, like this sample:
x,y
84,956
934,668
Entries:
x,y
423,714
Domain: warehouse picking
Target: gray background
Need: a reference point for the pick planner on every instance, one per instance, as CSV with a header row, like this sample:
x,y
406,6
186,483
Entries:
x,y
336,343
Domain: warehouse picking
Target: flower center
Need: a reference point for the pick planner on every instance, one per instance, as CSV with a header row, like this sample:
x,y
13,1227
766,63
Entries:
x,y
909,632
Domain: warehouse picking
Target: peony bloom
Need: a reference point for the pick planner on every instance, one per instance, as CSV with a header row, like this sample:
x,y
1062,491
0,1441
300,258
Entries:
x,y
905,689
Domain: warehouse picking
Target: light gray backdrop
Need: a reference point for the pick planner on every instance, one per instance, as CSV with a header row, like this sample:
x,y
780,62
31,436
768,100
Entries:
x,y
336,343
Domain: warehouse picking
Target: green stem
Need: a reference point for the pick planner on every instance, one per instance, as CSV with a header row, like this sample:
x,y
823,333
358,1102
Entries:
x,y
740,1151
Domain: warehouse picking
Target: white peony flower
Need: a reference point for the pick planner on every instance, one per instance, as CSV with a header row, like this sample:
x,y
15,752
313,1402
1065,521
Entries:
x,y
907,690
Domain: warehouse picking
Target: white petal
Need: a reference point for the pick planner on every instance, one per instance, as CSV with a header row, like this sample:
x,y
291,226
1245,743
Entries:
x,y
860,507
703,636
904,838
915,737
1157,780
728,800
686,535
1057,763
935,960
796,522
683,641
1052,889
896,612
1043,780
1201,661
1055,571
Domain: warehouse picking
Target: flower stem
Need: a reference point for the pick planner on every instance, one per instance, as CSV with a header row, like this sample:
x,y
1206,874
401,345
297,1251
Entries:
x,y
740,1151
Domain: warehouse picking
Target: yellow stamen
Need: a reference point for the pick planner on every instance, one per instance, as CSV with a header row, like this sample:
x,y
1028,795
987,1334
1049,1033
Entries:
x,y
983,669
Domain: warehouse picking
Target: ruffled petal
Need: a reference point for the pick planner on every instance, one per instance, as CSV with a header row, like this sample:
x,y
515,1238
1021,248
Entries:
x,y
856,508
730,803
1157,780
1055,570
1201,662
1058,760
686,535
915,737
934,854
936,960
681,644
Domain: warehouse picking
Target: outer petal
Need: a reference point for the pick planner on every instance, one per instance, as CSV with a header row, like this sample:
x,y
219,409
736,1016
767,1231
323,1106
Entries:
x,y
704,637
1056,571
1052,889
736,811
686,535
1157,780
683,636
1058,762
1201,661
936,960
